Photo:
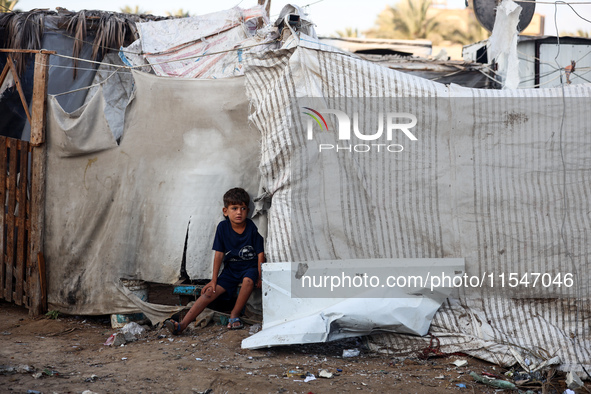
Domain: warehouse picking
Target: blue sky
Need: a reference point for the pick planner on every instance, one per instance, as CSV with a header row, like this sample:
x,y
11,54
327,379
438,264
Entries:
x,y
329,15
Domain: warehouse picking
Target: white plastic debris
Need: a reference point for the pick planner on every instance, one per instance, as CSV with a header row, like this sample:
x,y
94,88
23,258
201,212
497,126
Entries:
x,y
460,363
325,374
133,328
350,353
309,378
573,381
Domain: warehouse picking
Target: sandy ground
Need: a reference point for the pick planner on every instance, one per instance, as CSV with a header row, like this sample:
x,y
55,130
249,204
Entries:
x,y
68,355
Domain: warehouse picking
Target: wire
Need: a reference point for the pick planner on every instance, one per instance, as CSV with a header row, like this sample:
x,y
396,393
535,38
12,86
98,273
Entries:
x,y
554,2
86,87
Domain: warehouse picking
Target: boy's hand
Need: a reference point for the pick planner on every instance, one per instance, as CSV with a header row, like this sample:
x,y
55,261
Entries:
x,y
209,287
259,283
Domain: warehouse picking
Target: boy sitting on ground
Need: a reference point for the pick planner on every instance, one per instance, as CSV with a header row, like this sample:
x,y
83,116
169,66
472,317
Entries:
x,y
239,246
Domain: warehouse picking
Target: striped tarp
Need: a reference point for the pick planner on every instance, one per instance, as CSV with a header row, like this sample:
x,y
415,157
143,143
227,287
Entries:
x,y
500,178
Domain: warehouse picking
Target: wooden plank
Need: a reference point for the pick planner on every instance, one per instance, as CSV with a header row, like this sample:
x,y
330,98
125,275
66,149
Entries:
x,y
3,158
42,280
39,103
9,50
21,199
4,73
19,87
37,305
12,165
36,238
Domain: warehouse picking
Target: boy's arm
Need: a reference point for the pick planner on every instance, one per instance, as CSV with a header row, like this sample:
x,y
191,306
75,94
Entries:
x,y
261,257
217,263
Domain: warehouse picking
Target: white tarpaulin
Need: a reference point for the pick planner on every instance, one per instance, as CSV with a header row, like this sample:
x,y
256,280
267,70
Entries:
x,y
200,46
498,178
124,211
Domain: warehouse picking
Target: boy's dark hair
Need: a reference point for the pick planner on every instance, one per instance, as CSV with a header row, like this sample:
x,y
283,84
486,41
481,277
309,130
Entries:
x,y
236,196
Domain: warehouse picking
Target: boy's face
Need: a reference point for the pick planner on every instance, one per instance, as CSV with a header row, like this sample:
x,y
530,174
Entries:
x,y
236,213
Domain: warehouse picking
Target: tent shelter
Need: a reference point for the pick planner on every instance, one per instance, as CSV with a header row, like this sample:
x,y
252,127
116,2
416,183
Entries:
x,y
498,178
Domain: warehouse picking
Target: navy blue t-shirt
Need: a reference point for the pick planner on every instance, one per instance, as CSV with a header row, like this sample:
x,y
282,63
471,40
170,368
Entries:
x,y
240,248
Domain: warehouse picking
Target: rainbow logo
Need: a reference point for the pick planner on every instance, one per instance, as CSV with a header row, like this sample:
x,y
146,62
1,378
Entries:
x,y
316,119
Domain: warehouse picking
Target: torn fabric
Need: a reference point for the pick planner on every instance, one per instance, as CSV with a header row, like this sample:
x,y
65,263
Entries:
x,y
124,212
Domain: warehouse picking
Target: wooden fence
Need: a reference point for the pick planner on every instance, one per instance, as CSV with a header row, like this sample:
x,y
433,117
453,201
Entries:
x,y
22,196
15,224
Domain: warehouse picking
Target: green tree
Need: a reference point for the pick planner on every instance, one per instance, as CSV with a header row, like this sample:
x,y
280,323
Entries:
x,y
472,32
7,5
405,20
135,10
349,32
179,13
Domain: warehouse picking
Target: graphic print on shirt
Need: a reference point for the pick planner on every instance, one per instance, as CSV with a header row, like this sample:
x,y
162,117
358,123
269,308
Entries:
x,y
247,253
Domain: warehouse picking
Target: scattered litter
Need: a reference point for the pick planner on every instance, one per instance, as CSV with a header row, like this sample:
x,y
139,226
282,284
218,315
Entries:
x,y
170,339
294,374
461,385
50,372
568,391
460,363
573,381
339,370
133,328
34,392
309,378
6,369
198,359
502,384
37,375
254,329
6,333
249,373
250,357
519,359
88,392
325,374
123,358
440,377
91,379
552,361
350,352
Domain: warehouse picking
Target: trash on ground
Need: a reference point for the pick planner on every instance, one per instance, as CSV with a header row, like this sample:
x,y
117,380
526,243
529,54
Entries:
x,y
295,374
460,363
133,328
573,381
350,352
461,385
499,383
8,369
325,374
309,377
254,329
552,361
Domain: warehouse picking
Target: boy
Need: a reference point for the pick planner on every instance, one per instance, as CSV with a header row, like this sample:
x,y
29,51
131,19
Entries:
x,y
239,246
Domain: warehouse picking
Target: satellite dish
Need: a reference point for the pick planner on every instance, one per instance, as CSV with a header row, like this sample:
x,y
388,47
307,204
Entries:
x,y
486,11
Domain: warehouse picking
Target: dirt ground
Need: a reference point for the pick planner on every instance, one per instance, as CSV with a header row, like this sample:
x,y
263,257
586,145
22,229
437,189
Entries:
x,y
68,355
